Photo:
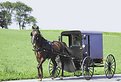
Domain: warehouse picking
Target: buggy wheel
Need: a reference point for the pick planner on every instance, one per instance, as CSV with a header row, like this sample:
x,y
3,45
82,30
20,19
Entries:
x,y
110,66
87,68
51,66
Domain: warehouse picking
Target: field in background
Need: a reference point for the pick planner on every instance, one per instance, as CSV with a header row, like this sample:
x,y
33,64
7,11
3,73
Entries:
x,y
17,60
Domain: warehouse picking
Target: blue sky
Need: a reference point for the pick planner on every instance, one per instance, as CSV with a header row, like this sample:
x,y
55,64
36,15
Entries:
x,y
92,15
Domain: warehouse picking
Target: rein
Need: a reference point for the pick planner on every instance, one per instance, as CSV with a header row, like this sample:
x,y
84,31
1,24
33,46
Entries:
x,y
43,48
39,49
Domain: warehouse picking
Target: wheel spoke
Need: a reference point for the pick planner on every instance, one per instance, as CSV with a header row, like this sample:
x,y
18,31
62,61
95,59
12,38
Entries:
x,y
51,67
113,70
51,63
106,71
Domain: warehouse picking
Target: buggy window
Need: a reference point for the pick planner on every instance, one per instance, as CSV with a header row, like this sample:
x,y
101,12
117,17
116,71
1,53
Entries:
x,y
72,40
66,40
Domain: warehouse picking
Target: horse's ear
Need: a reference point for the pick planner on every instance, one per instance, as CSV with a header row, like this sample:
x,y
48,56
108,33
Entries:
x,y
37,27
32,27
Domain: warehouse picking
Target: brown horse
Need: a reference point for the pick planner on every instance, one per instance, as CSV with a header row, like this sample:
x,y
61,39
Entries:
x,y
45,49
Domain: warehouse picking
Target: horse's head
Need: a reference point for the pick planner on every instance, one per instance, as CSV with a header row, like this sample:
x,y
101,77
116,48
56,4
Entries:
x,y
35,36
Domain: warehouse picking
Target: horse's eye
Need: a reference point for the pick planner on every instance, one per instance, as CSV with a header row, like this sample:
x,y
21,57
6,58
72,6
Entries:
x,y
37,37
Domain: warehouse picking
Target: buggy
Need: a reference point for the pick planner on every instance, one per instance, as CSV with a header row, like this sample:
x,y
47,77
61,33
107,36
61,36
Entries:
x,y
84,51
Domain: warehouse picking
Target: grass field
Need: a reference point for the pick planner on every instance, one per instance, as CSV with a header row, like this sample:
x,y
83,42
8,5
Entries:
x,y
17,60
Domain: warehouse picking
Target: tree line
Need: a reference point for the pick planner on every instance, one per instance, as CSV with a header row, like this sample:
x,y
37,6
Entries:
x,y
18,12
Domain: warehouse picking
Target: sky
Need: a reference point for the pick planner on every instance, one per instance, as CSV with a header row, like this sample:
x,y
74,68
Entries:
x,y
89,15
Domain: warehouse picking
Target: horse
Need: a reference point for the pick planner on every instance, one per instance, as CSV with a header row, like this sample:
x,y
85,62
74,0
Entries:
x,y
45,49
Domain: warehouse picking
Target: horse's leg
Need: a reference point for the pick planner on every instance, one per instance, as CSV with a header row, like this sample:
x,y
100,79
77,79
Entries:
x,y
54,67
40,69
62,73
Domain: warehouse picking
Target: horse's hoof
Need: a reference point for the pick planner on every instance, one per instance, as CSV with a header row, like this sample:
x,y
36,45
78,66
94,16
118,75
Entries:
x,y
53,78
40,79
61,78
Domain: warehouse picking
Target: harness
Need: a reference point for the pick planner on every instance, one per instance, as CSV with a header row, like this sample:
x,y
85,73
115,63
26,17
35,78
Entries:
x,y
46,49
38,49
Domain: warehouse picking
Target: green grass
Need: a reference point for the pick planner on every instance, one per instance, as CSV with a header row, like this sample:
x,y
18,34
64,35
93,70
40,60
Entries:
x,y
112,45
17,60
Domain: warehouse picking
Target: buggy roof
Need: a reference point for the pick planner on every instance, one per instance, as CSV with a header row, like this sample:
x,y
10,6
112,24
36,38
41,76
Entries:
x,y
71,32
80,32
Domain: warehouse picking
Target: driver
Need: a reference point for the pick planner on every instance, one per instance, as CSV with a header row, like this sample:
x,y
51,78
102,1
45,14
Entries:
x,y
76,41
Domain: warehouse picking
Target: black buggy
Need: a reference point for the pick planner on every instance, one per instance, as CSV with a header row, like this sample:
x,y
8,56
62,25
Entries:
x,y
84,51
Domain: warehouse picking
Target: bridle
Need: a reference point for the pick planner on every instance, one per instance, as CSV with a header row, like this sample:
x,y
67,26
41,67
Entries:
x,y
35,38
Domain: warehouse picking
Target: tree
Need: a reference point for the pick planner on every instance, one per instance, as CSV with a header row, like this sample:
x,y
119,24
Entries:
x,y
2,19
19,10
30,20
23,15
6,10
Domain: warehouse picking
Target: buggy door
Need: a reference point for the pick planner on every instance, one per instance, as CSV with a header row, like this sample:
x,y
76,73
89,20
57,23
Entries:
x,y
76,47
86,45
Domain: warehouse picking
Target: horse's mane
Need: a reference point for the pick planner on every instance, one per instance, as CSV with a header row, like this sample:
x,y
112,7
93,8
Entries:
x,y
42,40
